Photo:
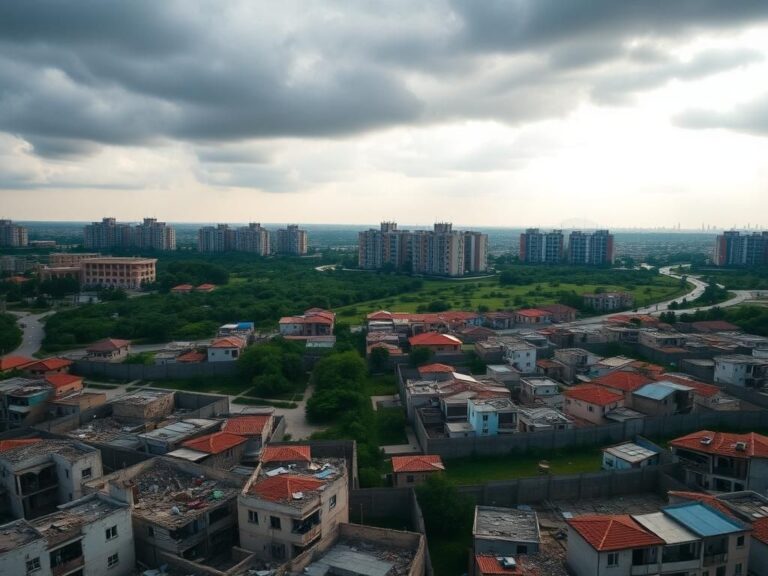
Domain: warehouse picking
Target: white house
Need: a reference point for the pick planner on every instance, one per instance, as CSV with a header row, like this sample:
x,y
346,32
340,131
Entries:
x,y
225,349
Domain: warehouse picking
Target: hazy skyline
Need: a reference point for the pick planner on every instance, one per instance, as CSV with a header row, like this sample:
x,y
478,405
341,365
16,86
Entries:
x,y
495,113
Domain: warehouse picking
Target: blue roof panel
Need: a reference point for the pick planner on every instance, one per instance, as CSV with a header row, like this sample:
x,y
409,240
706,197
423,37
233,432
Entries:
x,y
702,519
654,391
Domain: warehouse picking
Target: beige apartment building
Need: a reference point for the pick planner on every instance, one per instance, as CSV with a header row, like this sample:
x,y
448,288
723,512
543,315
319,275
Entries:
x,y
65,259
128,273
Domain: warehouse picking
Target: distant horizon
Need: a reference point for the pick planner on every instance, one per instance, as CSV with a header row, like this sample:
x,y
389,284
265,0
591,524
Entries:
x,y
410,225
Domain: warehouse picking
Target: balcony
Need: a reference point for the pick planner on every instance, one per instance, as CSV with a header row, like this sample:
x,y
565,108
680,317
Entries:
x,y
644,569
713,559
730,472
67,567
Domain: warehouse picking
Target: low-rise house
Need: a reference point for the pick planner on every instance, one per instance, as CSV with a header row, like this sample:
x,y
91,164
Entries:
x,y
75,403
39,474
23,402
23,550
314,322
659,339
706,396
591,403
628,455
218,450
493,565
244,330
365,551
505,531
11,363
171,437
109,350
192,357
205,288
529,316
286,510
256,428
286,455
472,334
144,406
608,301
64,384
741,370
436,342
623,382
542,420
560,312
550,368
615,544
414,470
178,509
723,462
225,349
504,374
577,363
724,540
182,289
47,366
436,371
519,354
607,365
376,339
540,390
492,416
663,399
92,535
499,320
752,509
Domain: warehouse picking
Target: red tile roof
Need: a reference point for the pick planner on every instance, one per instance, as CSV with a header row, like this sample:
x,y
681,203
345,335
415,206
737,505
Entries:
x,y
626,381
286,454
705,498
247,425
434,339
206,288
6,445
488,565
421,463
215,443
593,394
108,345
618,532
62,380
760,530
724,444
282,488
183,288
706,390
436,368
49,365
715,326
192,357
532,313
558,309
228,342
15,362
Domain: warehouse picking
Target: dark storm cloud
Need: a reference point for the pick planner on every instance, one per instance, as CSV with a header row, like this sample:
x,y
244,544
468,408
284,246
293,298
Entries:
x,y
75,74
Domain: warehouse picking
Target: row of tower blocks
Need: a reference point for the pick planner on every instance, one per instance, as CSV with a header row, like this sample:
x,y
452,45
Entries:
x,y
592,248
441,251
252,238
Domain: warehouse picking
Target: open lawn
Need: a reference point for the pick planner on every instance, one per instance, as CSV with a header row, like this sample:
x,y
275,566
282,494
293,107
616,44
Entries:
x,y
381,385
471,295
487,469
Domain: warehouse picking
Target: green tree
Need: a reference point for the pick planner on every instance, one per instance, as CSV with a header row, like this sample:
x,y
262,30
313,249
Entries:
x,y
378,360
420,355
446,511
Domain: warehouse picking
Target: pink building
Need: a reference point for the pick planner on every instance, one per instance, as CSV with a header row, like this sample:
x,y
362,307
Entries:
x,y
314,322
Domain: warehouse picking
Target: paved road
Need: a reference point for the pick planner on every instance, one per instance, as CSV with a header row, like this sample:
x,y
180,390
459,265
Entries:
x,y
33,330
740,296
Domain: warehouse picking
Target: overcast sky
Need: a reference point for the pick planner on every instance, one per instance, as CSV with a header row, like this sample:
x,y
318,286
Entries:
x,y
518,112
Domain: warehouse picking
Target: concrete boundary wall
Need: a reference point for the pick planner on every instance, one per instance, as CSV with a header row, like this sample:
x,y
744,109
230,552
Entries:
x,y
130,372
651,427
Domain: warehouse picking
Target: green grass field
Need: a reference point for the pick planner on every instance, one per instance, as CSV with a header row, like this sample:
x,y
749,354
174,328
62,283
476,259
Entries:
x,y
470,295
221,385
481,470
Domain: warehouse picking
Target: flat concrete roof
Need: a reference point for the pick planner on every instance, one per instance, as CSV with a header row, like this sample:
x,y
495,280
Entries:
x,y
630,452
506,524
